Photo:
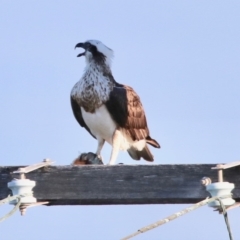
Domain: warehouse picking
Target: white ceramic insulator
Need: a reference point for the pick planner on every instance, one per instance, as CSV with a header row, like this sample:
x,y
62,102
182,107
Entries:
x,y
23,186
219,189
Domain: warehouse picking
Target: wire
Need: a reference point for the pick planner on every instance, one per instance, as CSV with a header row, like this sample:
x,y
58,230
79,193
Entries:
x,y
9,199
181,213
226,218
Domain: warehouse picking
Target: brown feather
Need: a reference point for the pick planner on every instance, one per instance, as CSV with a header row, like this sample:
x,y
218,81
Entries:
x,y
127,111
136,121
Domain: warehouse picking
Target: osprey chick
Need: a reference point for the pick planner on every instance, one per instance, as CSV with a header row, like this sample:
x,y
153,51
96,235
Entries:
x,y
108,110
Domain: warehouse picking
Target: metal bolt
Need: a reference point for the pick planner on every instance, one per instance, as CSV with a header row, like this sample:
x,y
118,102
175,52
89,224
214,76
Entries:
x,y
220,174
23,209
22,175
206,181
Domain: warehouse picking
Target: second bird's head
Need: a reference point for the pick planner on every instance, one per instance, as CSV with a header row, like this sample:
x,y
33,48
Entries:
x,y
96,52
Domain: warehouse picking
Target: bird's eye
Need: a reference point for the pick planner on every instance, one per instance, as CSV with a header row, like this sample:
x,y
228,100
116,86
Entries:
x,y
88,45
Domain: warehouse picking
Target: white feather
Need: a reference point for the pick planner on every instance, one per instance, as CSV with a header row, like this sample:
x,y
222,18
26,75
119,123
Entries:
x,y
106,51
102,126
100,123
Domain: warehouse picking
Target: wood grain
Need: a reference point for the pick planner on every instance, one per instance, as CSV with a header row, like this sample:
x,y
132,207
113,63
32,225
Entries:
x,y
121,184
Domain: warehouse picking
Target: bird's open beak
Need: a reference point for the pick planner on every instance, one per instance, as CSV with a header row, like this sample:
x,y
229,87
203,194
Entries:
x,y
80,45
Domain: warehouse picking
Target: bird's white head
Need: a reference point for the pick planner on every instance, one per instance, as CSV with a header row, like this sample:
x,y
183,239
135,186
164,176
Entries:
x,y
96,51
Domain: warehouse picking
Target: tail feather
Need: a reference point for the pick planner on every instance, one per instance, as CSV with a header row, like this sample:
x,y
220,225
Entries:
x,y
152,142
144,153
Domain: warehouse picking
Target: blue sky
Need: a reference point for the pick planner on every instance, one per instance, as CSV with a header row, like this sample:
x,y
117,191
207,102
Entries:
x,y
181,57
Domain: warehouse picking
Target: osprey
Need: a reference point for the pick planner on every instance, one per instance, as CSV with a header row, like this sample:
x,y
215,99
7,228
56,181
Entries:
x,y
108,110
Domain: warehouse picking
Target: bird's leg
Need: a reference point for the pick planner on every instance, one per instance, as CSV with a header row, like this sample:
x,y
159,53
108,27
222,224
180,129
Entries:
x,y
101,142
116,141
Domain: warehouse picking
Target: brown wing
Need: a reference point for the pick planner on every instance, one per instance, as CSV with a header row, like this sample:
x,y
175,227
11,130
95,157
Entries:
x,y
127,111
136,120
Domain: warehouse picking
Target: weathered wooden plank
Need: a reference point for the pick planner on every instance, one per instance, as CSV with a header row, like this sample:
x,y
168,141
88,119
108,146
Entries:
x,y
121,184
